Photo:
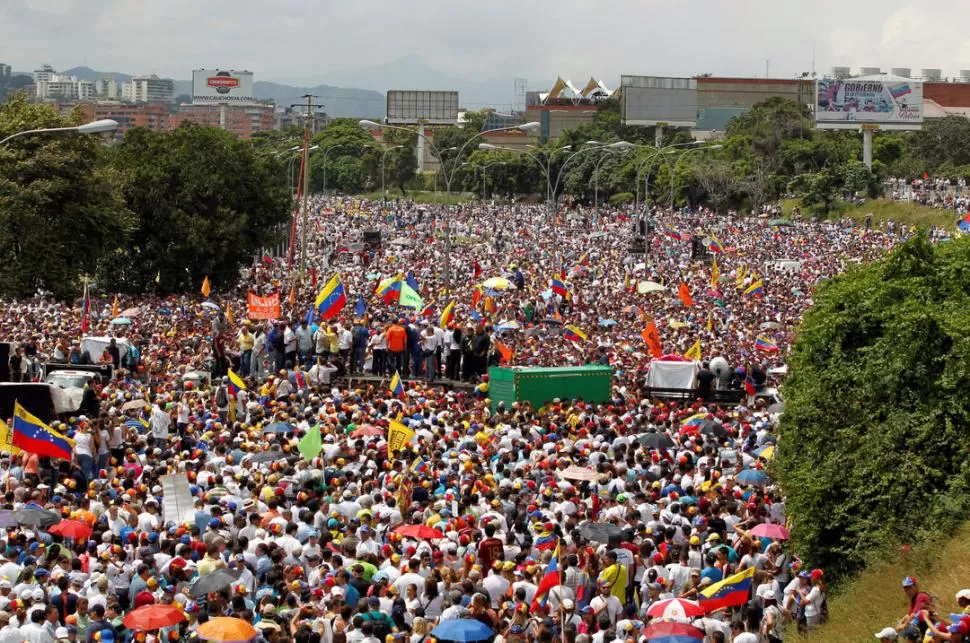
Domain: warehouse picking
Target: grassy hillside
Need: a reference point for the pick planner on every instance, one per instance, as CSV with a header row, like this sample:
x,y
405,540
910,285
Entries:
x,y
875,599
417,196
884,210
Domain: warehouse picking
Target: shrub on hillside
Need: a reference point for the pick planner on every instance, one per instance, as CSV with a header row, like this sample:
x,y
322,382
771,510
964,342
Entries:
x,y
875,430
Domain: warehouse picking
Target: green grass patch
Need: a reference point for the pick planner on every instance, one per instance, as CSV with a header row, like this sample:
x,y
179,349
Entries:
x,y
902,213
440,198
874,599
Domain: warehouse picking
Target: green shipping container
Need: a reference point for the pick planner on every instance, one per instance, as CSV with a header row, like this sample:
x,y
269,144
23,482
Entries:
x,y
592,383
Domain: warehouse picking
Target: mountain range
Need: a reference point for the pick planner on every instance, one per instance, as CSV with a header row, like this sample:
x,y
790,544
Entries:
x,y
360,92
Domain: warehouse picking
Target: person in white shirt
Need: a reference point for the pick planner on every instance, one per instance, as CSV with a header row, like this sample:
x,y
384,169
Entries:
x,y
367,545
159,422
497,585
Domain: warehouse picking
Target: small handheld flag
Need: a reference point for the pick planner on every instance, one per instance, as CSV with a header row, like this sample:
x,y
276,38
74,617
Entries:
x,y
236,384
559,287
765,344
694,352
684,293
574,334
397,387
206,287
332,299
33,436
756,289
360,308
447,315
715,275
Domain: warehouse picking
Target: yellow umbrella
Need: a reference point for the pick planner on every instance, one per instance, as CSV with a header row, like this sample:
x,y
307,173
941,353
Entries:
x,y
768,452
227,630
497,283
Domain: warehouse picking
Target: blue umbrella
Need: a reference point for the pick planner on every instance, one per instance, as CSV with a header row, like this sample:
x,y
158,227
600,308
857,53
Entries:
x,y
463,629
278,427
752,476
607,322
7,519
121,321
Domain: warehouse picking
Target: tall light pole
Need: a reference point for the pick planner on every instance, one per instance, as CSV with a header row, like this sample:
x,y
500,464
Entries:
x,y
485,171
656,154
449,175
292,162
596,174
103,126
383,159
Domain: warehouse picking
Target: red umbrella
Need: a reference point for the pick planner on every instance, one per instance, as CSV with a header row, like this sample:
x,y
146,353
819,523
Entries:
x,y
422,532
770,530
366,431
675,609
153,617
71,529
671,632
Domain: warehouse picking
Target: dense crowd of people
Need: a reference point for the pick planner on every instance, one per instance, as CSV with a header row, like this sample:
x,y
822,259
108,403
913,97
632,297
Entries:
x,y
570,519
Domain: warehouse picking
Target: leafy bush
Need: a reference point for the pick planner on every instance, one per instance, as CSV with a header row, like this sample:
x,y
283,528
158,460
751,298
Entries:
x,y
875,438
621,197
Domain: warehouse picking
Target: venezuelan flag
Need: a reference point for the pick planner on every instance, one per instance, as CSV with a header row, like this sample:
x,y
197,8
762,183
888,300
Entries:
x,y
33,436
749,387
447,315
397,387
757,289
574,334
559,288
694,420
331,299
390,289
715,246
420,465
765,344
550,579
733,591
670,232
236,384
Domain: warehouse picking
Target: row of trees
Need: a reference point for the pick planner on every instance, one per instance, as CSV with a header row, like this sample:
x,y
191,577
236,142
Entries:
x,y
154,210
770,151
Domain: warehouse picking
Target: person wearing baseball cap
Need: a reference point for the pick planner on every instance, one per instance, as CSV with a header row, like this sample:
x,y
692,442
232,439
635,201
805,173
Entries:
x,y
918,601
886,634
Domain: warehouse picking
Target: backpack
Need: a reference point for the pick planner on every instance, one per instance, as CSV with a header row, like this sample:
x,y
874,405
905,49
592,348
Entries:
x,y
381,623
222,398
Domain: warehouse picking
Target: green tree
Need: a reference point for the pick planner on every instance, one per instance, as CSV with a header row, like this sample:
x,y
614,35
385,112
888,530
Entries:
x,y
205,203
61,207
874,450
942,140
343,144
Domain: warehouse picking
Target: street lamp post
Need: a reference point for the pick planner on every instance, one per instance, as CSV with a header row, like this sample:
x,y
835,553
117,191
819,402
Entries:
x,y
103,126
383,159
596,174
449,175
484,173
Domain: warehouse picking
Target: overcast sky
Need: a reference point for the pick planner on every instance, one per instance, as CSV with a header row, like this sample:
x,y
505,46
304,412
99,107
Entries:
x,y
300,41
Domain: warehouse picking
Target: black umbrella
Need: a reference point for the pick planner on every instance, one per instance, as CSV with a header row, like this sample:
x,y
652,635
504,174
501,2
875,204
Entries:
x,y
712,427
36,517
217,580
655,440
267,456
600,532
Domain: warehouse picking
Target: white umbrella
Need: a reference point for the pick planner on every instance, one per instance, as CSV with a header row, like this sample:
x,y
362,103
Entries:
x,y
574,472
649,286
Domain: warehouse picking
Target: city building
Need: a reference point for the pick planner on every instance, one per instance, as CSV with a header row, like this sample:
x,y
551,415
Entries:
x,y
108,88
49,85
289,117
564,107
154,116
151,89
240,120
5,70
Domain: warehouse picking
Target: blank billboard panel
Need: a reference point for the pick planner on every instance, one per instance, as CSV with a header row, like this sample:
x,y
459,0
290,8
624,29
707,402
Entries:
x,y
432,107
655,100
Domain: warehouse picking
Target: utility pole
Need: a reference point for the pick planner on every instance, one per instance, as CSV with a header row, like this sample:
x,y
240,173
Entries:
x,y
305,217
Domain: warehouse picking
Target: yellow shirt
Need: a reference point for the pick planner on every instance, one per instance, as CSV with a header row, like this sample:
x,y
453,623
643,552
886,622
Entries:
x,y
246,341
616,576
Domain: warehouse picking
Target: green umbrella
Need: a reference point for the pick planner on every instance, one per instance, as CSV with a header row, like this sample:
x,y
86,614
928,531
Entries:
x,y
774,223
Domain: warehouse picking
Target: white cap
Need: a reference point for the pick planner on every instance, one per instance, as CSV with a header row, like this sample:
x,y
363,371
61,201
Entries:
x,y
963,593
887,633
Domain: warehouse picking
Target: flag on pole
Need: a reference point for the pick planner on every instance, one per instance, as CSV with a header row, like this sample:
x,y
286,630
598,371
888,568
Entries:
x,y
651,336
398,437
311,444
6,440
505,352
756,289
694,352
236,384
229,317
684,293
158,277
710,321
33,436
739,280
206,287
332,299
115,309
360,308
715,274
447,315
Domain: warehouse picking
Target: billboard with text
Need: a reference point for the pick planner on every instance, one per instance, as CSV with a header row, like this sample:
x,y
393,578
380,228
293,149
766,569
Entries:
x,y
886,101
658,100
431,107
215,86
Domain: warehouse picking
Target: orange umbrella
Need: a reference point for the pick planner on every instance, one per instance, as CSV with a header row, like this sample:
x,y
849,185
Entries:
x,y
226,629
71,529
153,617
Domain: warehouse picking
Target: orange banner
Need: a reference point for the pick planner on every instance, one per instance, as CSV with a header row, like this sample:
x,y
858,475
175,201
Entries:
x,y
264,307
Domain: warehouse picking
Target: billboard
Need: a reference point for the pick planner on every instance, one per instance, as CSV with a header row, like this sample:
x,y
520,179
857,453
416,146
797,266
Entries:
x,y
215,86
432,107
888,102
657,100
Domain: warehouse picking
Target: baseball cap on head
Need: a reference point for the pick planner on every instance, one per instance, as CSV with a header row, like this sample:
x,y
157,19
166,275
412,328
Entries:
x,y
909,581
